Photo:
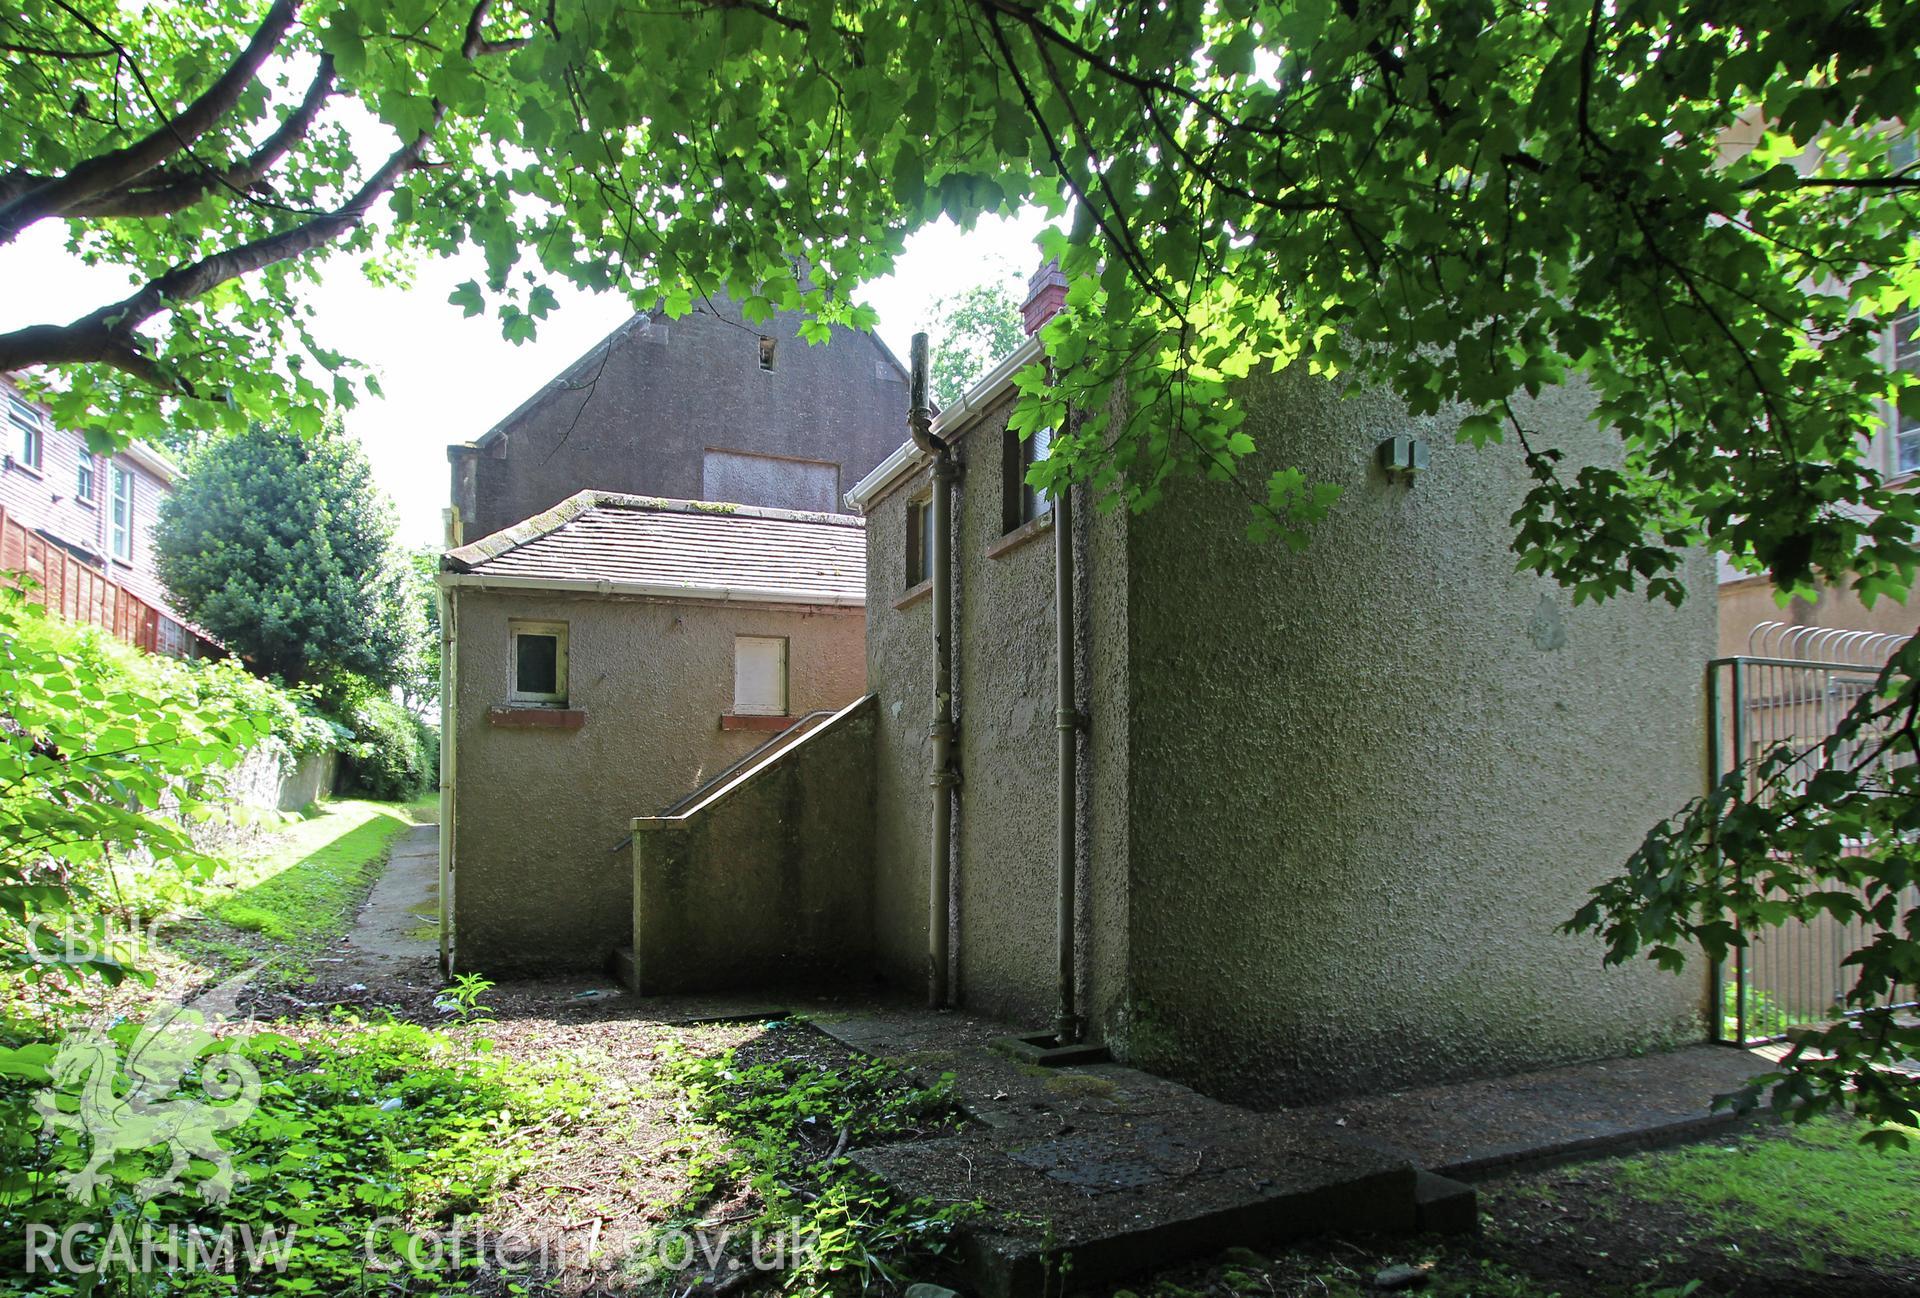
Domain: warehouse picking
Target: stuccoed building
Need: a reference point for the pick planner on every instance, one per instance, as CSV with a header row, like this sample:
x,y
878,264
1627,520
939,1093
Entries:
x,y
644,581
1321,813
1324,811
706,407
1328,808
609,657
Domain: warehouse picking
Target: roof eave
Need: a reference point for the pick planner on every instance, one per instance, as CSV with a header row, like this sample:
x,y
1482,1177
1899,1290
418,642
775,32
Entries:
x,y
949,424
495,544
650,590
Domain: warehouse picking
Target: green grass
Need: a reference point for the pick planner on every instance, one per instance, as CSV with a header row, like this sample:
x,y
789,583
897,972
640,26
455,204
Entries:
x,y
1800,1208
303,887
1816,1188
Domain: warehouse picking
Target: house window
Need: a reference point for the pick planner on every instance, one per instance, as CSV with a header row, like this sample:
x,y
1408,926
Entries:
x,y
919,541
29,433
539,663
122,515
1906,356
83,478
1021,502
766,354
1903,152
759,676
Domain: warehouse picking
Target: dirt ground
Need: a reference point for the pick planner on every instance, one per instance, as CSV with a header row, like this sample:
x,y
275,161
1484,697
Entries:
x,y
594,1196
598,1190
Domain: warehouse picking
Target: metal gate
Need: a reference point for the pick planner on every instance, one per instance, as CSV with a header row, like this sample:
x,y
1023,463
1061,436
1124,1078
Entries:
x,y
1794,686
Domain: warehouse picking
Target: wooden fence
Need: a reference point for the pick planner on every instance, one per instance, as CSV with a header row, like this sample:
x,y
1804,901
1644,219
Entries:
x,y
70,587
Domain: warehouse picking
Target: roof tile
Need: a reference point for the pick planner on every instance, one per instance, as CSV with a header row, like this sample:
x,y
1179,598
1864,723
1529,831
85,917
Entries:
x,y
698,546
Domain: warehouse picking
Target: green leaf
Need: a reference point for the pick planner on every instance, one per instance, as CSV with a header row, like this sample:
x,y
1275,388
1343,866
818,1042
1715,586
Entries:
x,y
467,297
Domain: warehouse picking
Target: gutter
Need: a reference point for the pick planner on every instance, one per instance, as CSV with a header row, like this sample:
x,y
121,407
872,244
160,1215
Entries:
x,y
449,762
1068,1024
650,589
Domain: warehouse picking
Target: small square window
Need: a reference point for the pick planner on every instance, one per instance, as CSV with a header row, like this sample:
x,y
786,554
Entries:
x,y
539,663
919,541
759,676
766,354
1021,502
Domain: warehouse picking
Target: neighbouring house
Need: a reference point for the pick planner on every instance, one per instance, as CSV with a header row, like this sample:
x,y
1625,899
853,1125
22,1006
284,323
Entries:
x,y
81,525
1327,809
706,407
606,658
1749,604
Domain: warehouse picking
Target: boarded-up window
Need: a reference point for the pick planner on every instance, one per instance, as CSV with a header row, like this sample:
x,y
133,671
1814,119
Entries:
x,y
748,479
759,676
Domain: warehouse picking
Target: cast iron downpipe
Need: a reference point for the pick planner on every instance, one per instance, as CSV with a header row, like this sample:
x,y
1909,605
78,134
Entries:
x,y
944,774
1067,721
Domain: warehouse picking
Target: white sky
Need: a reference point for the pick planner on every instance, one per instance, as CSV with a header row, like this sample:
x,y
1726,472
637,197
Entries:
x,y
448,379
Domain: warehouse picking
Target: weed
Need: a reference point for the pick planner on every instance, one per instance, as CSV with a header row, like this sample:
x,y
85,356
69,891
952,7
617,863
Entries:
x,y
778,1133
364,1135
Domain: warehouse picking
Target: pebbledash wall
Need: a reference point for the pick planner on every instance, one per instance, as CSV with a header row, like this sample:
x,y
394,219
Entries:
x,y
1334,804
542,878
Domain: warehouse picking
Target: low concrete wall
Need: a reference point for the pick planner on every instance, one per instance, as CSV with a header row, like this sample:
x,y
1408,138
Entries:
x,y
770,879
310,780
264,783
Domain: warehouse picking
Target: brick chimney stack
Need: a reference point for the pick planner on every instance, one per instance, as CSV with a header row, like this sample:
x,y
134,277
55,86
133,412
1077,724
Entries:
x,y
1046,294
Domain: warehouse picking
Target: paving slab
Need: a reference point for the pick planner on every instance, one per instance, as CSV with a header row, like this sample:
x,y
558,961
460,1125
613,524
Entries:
x,y
1107,1170
1473,1130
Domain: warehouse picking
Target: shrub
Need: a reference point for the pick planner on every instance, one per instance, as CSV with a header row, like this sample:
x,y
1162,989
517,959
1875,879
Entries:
x,y
394,755
109,756
282,546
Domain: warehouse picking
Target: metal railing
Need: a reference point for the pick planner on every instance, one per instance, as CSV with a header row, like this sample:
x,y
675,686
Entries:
x,y
1794,688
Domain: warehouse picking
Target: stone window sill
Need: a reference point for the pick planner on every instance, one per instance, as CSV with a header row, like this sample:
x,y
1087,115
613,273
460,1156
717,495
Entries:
x,y
914,594
1020,535
537,718
750,721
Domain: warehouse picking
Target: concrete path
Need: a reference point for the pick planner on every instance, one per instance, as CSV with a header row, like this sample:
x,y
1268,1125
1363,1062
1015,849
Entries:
x,y
400,919
1473,1130
1122,1170
1112,1169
